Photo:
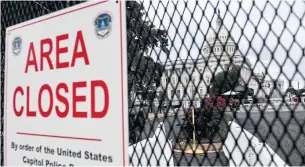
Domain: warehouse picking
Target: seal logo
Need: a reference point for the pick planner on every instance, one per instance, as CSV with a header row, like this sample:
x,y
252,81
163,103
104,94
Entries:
x,y
17,45
103,24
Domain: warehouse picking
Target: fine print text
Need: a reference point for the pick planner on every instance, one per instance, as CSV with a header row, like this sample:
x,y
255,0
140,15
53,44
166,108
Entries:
x,y
64,152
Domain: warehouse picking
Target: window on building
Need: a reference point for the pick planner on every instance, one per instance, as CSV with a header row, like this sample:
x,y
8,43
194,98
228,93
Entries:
x,y
186,80
201,91
194,79
174,81
178,70
208,79
178,93
172,93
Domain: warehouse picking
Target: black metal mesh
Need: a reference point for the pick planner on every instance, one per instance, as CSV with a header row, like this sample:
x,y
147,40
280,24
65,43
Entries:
x,y
229,74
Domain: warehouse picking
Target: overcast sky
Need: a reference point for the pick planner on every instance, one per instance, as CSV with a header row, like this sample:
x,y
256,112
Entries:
x,y
279,42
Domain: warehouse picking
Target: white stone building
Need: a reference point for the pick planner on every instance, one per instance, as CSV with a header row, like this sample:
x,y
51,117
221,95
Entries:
x,y
188,80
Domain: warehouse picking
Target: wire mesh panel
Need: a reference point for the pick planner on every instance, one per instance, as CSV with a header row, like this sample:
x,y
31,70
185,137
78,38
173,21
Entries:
x,y
212,83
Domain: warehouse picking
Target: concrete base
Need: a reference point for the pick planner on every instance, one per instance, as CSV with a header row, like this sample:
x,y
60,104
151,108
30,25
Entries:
x,y
198,148
243,149
155,151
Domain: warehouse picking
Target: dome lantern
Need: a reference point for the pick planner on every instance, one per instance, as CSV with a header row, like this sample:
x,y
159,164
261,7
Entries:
x,y
218,21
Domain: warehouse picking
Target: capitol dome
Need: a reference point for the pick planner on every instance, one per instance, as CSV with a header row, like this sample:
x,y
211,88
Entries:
x,y
220,43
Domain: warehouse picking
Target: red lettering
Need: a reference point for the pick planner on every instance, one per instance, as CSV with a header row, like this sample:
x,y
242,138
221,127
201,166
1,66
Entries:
x,y
29,113
18,113
76,98
49,90
62,99
60,50
80,54
46,49
45,54
30,61
103,112
98,108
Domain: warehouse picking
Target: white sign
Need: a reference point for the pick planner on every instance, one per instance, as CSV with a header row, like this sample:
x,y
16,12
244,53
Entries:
x,y
66,90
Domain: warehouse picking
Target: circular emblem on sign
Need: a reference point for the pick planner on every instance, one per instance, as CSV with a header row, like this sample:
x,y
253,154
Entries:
x,y
17,45
103,23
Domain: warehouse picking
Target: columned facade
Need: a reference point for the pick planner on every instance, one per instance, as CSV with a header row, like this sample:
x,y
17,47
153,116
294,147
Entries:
x,y
188,80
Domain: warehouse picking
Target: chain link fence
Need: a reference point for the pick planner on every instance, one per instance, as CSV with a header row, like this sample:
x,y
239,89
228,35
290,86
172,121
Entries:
x,y
212,83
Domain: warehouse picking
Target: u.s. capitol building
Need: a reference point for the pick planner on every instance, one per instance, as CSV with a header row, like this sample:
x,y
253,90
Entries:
x,y
188,80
